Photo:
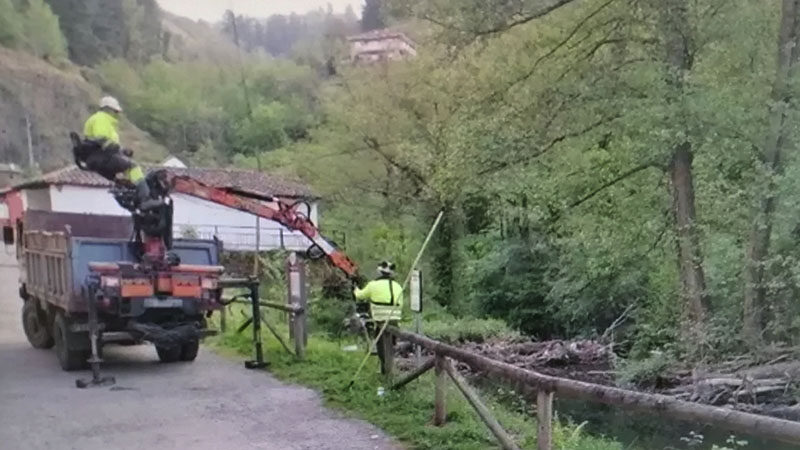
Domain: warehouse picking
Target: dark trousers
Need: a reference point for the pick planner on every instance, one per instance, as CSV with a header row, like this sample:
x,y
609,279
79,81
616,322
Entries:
x,y
376,328
108,163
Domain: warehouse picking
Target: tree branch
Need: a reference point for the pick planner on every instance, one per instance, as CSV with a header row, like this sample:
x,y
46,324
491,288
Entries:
x,y
609,184
558,139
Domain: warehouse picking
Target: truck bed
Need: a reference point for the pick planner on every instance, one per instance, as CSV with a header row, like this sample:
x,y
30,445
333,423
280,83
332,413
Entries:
x,y
55,264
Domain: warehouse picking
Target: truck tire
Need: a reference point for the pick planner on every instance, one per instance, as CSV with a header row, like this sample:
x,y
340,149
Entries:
x,y
66,342
36,331
189,350
169,354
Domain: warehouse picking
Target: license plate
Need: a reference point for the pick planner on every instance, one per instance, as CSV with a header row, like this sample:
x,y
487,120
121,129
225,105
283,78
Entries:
x,y
165,303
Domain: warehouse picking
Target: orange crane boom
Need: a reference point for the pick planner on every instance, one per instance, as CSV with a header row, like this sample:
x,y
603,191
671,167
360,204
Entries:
x,y
282,213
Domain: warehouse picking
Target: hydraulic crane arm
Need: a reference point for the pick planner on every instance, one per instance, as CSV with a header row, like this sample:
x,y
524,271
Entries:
x,y
279,211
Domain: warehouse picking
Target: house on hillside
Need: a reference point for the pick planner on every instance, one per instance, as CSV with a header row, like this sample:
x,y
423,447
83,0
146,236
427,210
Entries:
x,y
380,45
71,190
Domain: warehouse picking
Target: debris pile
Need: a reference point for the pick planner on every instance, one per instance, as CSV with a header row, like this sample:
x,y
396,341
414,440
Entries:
x,y
764,388
585,360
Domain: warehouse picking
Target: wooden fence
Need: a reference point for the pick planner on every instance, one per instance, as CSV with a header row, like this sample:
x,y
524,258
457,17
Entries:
x,y
546,387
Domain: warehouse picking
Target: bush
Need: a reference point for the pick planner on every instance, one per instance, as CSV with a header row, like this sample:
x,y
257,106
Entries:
x,y
467,329
646,372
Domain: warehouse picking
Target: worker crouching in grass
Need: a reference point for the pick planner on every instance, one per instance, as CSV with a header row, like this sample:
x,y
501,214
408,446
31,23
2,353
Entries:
x,y
385,297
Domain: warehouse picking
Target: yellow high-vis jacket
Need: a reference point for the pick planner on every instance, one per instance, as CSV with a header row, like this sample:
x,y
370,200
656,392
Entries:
x,y
102,125
385,297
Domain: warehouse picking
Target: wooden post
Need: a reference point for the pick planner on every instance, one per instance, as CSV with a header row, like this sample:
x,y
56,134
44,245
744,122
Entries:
x,y
388,354
426,366
440,409
544,413
276,334
258,247
296,292
483,412
223,319
299,332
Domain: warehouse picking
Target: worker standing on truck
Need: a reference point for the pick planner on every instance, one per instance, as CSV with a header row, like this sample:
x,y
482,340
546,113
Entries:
x,y
385,296
103,153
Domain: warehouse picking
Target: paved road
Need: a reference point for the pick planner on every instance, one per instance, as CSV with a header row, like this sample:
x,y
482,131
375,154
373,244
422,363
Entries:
x,y
213,403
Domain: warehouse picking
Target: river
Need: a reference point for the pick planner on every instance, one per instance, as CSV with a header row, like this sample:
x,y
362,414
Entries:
x,y
642,432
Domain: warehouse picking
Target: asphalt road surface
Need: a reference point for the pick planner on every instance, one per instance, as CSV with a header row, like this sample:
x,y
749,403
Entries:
x,y
213,403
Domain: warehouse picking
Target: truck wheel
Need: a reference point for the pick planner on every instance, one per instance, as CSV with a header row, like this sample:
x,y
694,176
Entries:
x,y
169,354
35,330
189,350
65,342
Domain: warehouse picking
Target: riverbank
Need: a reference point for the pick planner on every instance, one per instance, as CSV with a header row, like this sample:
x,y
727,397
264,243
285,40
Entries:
x,y
405,414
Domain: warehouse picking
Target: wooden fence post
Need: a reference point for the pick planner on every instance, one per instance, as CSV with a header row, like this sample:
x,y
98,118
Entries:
x,y
544,413
440,409
223,319
483,412
299,332
387,343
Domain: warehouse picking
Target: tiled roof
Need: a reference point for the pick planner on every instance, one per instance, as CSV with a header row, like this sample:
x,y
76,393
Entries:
x,y
240,180
377,35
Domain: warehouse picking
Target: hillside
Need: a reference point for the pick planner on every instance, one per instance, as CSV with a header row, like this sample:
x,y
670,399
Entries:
x,y
54,100
190,40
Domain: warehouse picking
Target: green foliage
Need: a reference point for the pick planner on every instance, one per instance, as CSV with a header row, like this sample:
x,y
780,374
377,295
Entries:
x,y
650,371
372,16
10,24
460,330
200,111
41,30
98,30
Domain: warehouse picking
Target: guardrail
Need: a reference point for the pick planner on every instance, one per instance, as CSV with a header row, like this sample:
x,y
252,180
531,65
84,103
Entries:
x,y
546,387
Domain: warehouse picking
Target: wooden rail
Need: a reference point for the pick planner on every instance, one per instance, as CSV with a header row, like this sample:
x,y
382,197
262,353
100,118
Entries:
x,y
298,325
546,386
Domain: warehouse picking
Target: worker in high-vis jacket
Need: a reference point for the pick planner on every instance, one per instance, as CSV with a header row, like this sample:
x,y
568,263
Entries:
x,y
105,154
385,297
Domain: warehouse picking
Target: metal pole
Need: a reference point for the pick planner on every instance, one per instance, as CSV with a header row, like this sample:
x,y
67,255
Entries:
x,y
259,362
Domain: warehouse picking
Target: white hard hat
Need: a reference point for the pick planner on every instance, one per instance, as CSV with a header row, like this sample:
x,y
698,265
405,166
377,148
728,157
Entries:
x,y
110,103
386,268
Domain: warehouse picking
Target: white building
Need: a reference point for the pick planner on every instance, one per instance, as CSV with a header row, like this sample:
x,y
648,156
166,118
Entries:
x,y
71,190
380,45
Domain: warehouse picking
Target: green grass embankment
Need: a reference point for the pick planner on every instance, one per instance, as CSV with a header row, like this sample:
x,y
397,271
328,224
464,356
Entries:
x,y
405,414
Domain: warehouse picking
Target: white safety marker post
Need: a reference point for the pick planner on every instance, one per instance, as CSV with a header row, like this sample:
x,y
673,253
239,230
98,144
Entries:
x,y
415,288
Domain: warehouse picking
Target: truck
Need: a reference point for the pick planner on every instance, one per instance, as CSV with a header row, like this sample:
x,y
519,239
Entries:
x,y
90,280
64,259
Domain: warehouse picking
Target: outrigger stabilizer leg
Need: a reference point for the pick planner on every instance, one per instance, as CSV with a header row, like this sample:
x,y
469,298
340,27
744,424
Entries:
x,y
259,362
94,360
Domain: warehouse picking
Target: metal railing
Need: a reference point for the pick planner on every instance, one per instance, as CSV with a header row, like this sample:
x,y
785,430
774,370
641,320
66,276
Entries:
x,y
245,238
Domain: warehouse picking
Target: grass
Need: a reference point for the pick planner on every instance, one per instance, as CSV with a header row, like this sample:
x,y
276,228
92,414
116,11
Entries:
x,y
404,414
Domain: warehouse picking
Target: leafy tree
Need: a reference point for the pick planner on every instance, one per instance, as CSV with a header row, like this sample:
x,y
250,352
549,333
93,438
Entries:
x,y
10,24
42,33
372,16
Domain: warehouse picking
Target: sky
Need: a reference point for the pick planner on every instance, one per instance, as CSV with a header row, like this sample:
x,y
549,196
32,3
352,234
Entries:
x,y
212,10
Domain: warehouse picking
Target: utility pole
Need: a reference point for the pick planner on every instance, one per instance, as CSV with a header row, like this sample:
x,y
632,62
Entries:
x,y
31,161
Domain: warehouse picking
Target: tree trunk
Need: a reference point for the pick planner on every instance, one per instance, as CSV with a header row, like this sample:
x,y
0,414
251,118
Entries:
x,y
443,258
690,260
677,37
760,233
